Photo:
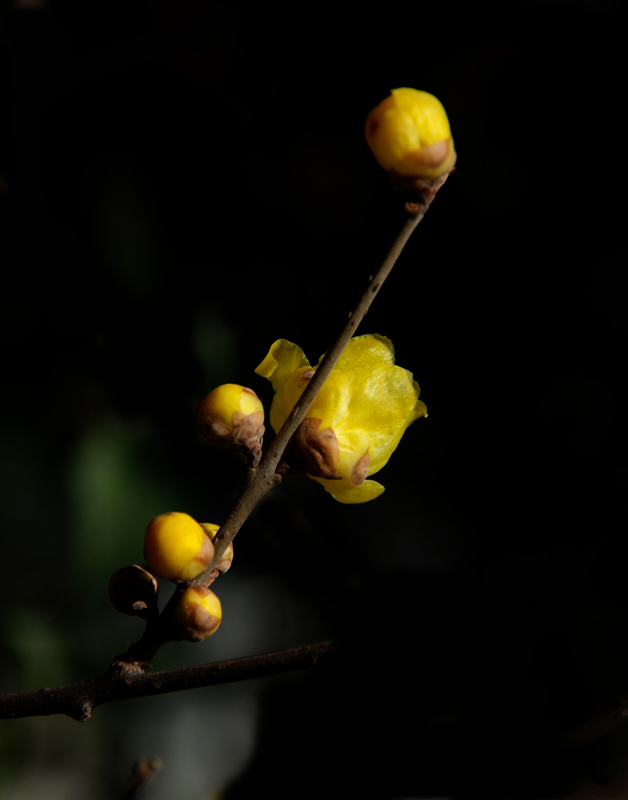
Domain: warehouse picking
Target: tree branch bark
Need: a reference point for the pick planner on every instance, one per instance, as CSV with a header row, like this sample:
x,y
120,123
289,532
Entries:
x,y
78,700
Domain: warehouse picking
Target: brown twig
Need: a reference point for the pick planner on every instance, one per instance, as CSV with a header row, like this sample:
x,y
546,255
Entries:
x,y
78,700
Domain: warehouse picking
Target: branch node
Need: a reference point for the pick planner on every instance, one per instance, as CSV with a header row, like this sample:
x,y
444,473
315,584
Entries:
x,y
121,670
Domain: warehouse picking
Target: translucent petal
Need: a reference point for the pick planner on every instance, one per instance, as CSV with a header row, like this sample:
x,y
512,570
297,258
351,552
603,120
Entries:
x,y
331,403
282,360
277,413
352,446
363,352
386,403
366,491
295,386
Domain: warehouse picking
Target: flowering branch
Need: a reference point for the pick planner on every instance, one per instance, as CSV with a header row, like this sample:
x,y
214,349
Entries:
x,y
259,480
418,159
263,478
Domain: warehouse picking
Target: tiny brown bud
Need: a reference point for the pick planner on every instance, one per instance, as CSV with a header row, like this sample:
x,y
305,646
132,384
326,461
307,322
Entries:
x,y
133,591
319,448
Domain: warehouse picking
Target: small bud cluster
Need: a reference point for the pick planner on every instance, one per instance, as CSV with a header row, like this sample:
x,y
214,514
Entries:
x,y
177,549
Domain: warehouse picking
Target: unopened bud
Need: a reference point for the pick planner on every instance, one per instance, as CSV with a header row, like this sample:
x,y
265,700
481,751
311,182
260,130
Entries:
x,y
227,557
198,614
232,416
176,547
133,591
409,135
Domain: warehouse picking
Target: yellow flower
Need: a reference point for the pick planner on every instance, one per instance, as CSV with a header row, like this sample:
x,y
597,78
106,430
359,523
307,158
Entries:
x,y
409,133
357,419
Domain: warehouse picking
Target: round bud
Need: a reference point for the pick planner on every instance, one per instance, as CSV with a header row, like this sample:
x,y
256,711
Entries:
x,y
198,614
227,557
232,416
409,135
133,591
176,547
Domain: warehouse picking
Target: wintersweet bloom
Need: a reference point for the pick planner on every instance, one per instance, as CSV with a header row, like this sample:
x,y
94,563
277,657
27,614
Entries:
x,y
409,134
357,419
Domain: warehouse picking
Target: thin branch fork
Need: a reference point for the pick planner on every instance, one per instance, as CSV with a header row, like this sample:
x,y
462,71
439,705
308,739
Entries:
x,y
78,700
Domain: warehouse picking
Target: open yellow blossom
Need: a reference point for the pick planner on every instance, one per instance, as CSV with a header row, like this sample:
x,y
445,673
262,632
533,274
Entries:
x,y
357,419
409,134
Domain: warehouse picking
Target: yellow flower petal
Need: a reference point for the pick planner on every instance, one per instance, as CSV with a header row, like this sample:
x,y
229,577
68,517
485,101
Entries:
x,y
282,360
330,404
387,402
352,446
277,413
362,352
366,491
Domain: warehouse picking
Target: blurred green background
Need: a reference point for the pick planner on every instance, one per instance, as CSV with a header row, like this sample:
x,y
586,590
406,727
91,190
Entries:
x,y
182,183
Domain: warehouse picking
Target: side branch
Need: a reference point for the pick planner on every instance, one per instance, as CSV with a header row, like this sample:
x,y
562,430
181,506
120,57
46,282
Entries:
x,y
78,700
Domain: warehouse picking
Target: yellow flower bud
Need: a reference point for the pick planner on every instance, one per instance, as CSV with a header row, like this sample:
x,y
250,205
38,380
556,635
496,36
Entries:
x,y
198,614
176,547
232,416
133,591
409,134
227,557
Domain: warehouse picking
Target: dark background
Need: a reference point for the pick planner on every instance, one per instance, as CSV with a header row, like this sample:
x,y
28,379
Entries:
x,y
182,183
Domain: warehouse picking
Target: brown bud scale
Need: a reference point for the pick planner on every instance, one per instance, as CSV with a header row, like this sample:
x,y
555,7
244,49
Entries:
x,y
319,449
